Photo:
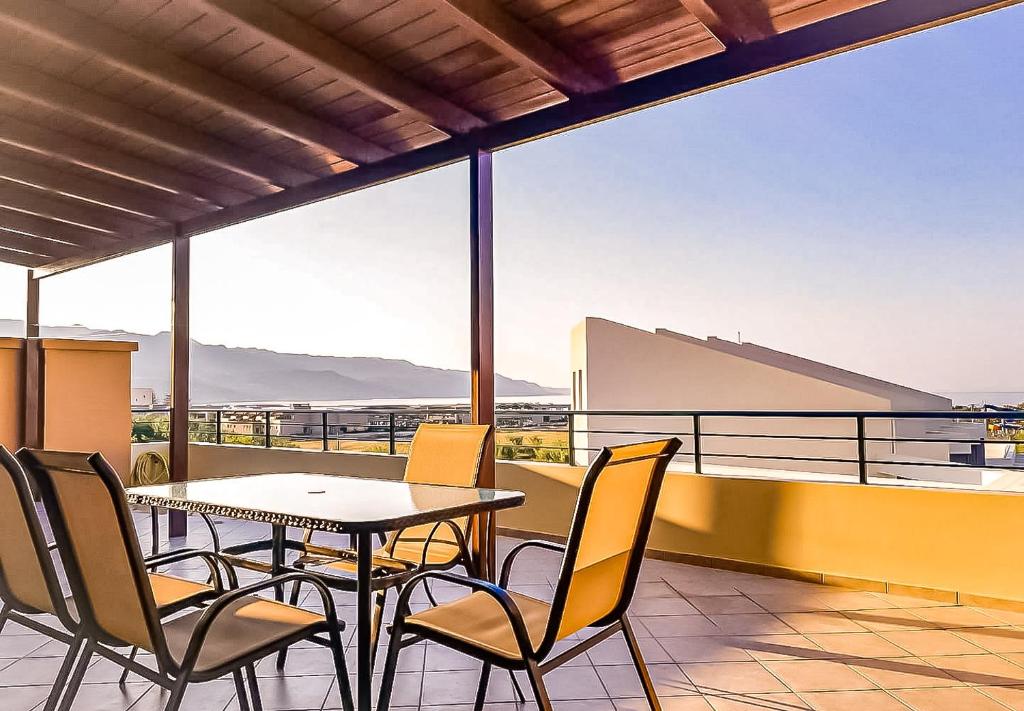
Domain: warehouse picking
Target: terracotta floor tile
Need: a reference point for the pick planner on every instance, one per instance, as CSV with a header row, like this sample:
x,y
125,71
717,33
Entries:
x,y
994,639
792,602
857,644
758,702
904,673
673,703
723,604
754,623
927,643
889,620
981,669
779,646
856,601
732,678
952,617
1007,617
705,649
622,681
1010,696
812,622
615,651
955,699
679,626
853,701
657,606
819,675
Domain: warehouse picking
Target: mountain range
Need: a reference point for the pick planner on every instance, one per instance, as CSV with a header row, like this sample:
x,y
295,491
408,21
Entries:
x,y
221,374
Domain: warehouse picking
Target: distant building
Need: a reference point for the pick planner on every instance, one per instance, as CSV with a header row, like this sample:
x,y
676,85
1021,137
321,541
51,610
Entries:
x,y
143,397
618,367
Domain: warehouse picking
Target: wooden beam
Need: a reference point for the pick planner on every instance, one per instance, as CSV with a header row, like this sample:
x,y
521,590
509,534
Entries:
x,y
51,93
91,191
494,26
69,28
15,196
31,306
22,259
481,271
732,22
35,226
180,272
190,190
372,77
36,245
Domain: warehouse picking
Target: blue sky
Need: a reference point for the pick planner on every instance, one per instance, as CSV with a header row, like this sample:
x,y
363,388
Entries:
x,y
865,210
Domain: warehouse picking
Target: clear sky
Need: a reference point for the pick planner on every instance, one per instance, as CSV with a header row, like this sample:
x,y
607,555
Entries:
x,y
866,210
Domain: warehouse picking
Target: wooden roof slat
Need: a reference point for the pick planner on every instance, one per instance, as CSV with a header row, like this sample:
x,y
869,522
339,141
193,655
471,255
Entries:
x,y
37,245
71,28
22,259
201,192
349,65
38,88
732,22
19,198
48,229
490,23
91,191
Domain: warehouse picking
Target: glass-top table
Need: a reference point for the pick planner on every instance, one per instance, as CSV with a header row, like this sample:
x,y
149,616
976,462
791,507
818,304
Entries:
x,y
357,506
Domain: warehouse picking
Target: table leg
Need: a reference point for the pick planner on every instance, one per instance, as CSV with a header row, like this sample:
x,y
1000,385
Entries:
x,y
155,513
364,651
277,556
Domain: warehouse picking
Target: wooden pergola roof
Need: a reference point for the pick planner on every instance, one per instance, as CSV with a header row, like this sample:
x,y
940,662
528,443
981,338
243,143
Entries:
x,y
126,122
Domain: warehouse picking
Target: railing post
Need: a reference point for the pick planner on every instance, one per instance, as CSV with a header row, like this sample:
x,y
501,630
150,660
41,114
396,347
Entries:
x,y
325,432
266,434
697,466
391,433
572,439
862,459
217,424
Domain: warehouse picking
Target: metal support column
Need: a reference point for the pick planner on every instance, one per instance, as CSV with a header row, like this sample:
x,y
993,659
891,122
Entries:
x,y
481,260
177,525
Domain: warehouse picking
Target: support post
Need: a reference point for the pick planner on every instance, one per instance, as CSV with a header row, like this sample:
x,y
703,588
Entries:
x,y
32,426
177,525
481,260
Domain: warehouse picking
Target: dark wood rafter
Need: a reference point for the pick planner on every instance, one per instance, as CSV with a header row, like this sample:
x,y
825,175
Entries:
x,y
42,247
49,92
43,228
274,24
90,191
70,28
21,198
494,26
172,185
732,22
22,259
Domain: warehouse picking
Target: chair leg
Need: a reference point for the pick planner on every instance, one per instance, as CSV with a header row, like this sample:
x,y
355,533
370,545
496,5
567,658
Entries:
x,y
537,682
254,688
641,666
390,666
379,601
77,676
177,694
515,687
5,613
243,699
124,674
481,690
293,600
65,669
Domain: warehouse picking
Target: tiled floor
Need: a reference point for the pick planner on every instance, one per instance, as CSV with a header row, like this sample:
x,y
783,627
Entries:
x,y
714,641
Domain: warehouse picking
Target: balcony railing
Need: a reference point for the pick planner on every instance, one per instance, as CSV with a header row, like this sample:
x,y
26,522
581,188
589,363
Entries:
x,y
859,445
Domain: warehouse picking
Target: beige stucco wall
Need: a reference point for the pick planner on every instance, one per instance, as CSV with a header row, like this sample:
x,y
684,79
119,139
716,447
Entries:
x,y
12,363
87,398
627,368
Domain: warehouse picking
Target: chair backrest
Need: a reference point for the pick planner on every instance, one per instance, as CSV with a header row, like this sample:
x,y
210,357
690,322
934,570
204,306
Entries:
x,y
608,535
28,579
440,454
446,454
95,534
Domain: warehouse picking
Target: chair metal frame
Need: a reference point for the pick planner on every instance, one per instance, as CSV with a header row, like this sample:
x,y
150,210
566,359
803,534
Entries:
x,y
170,675
535,662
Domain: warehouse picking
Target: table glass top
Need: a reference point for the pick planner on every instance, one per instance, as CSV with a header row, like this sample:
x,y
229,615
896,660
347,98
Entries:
x,y
325,501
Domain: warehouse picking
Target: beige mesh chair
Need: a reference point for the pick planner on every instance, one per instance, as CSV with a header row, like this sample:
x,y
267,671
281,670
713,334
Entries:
x,y
30,587
600,565
449,455
96,539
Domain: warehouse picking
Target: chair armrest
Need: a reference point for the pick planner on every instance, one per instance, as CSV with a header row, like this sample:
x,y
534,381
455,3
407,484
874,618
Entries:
x,y
499,594
506,565
212,560
209,615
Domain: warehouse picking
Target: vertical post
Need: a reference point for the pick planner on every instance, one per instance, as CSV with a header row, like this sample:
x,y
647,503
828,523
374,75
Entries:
x,y
266,430
218,419
862,459
572,434
391,433
324,431
32,427
697,465
481,264
180,254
